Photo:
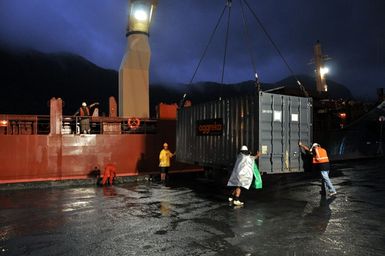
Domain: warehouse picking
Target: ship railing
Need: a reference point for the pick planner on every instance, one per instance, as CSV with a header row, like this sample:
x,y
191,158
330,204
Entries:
x,y
24,124
40,124
107,125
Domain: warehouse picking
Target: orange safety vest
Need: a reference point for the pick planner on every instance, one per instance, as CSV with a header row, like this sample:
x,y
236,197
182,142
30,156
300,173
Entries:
x,y
320,156
84,111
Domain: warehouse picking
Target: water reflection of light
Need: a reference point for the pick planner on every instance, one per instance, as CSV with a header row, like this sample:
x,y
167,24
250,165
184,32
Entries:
x,y
75,205
165,208
249,233
4,236
342,146
82,191
109,191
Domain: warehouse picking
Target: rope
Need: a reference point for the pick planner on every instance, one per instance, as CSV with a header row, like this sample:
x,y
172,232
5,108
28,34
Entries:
x,y
276,47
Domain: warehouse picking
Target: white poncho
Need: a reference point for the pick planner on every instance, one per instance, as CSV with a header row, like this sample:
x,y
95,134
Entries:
x,y
242,174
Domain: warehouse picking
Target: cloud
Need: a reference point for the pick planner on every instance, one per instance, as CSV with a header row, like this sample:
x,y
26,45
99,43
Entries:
x,y
351,32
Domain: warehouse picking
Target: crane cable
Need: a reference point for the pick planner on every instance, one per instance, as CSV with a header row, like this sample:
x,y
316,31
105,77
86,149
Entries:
x,y
276,48
208,44
249,46
228,4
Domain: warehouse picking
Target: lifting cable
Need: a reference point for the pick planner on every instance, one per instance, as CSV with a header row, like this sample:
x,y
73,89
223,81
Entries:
x,y
249,46
276,48
208,44
248,39
228,4
182,101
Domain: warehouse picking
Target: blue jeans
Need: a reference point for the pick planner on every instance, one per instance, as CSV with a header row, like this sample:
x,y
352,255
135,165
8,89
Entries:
x,y
326,183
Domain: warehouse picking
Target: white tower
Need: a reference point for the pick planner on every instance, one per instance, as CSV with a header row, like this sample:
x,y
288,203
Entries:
x,y
134,69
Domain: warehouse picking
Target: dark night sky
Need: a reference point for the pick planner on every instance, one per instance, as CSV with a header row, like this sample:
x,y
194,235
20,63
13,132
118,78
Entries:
x,y
352,33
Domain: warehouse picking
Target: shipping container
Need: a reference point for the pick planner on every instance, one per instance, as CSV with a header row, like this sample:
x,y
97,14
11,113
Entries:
x,y
211,134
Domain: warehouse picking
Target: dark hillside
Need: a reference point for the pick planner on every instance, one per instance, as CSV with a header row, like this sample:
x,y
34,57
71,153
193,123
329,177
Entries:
x,y
28,80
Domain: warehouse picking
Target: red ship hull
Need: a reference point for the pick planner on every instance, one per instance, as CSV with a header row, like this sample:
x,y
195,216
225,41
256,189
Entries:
x,y
28,158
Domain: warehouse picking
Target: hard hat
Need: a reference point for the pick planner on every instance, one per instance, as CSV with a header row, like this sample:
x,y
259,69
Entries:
x,y
84,104
314,145
244,148
165,145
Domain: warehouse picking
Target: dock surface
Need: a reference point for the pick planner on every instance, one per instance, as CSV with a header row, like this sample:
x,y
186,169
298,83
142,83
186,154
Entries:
x,y
191,216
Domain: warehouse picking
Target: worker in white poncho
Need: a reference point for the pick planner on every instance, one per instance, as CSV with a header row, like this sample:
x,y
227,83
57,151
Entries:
x,y
245,174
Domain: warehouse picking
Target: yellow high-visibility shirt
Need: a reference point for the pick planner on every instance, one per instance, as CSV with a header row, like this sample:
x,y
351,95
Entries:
x,y
164,158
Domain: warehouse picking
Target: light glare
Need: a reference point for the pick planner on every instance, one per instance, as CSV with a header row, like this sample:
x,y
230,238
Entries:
x,y
140,15
324,70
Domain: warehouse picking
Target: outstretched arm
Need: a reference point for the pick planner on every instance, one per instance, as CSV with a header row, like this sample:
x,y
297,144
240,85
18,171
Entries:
x,y
303,146
94,104
257,155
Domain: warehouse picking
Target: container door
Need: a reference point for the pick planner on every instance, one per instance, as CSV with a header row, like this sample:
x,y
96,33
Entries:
x,y
284,121
298,129
271,133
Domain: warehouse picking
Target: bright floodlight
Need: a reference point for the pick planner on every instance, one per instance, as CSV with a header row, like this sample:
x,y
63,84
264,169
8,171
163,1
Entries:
x,y
140,15
324,70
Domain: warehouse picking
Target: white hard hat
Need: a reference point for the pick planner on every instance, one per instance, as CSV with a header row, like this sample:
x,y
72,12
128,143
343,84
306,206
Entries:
x,y
314,145
84,104
244,148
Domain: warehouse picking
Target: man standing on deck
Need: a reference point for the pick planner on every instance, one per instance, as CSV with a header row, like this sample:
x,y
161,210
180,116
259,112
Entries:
x,y
321,164
85,113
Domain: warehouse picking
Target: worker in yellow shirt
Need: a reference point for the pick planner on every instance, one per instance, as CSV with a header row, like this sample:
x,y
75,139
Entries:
x,y
164,161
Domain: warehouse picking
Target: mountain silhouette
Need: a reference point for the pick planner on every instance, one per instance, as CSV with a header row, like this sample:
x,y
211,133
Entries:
x,y
335,90
29,79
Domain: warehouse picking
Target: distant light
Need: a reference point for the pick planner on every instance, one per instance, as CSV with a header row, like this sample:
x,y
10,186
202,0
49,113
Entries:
x,y
326,88
140,15
324,71
342,115
3,123
256,75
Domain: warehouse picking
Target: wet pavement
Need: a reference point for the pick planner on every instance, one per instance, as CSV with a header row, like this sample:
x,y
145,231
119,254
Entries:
x,y
191,216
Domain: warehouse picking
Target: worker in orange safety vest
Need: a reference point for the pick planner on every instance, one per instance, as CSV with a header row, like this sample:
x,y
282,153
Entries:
x,y
85,112
109,174
321,164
